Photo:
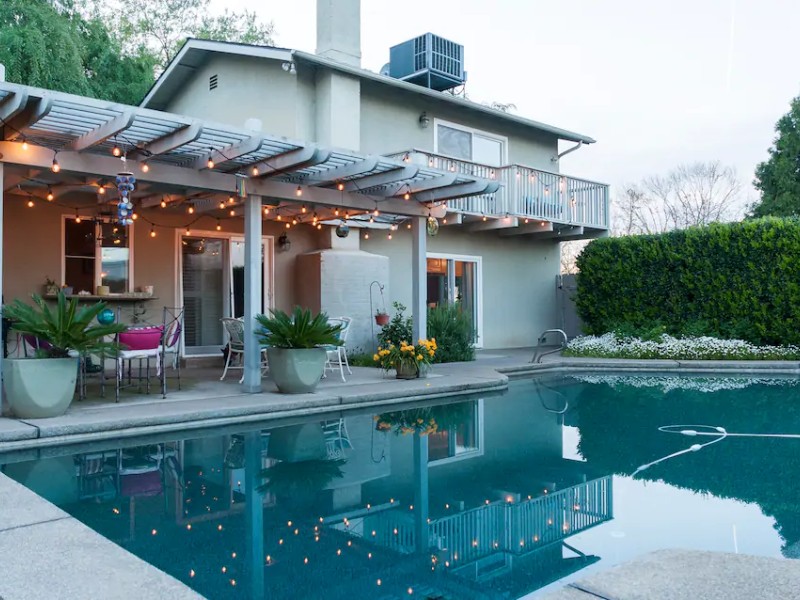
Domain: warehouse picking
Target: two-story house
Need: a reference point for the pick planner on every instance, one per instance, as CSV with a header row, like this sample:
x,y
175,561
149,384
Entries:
x,y
346,166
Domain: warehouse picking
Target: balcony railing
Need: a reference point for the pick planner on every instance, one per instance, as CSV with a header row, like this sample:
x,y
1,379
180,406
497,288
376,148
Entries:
x,y
525,192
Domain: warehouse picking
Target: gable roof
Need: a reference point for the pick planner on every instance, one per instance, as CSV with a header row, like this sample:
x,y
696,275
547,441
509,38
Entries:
x,y
195,52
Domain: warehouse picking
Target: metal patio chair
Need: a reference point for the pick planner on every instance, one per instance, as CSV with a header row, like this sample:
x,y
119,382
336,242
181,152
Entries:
x,y
235,330
337,355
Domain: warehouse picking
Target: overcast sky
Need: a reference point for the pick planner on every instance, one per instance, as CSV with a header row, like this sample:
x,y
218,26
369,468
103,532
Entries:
x,y
656,83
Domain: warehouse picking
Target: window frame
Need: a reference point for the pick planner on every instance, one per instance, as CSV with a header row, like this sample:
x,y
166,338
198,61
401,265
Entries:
x,y
98,252
473,132
478,451
478,260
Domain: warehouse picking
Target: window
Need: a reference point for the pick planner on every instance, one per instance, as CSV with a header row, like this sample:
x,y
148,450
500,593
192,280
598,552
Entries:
x,y
470,144
456,279
460,435
96,254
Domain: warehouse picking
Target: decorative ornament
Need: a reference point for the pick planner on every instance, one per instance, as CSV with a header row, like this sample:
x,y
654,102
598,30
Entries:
x,y
126,183
241,187
432,226
106,317
342,230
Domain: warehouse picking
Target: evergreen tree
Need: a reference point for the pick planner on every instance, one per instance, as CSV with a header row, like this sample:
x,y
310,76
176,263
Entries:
x,y
778,178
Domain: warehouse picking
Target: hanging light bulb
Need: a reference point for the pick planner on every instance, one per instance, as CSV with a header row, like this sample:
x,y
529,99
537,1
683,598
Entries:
x,y
376,212
210,162
152,232
116,151
298,192
190,210
101,191
231,200
319,226
280,218
288,226
340,186
408,226
303,209
389,236
366,235
77,218
266,210
371,219
255,171
188,231
24,144
336,212
221,205
135,216
50,195
145,167
30,203
219,226
233,213
56,167
485,218
407,196
163,204
294,221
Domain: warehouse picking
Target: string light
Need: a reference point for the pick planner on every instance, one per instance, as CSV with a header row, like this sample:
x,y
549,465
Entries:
x,y
279,217
231,200
407,196
298,192
255,171
303,209
408,226
190,210
116,151
152,232
233,213
101,190
188,231
319,226
50,195
30,203
366,235
336,212
210,162
288,226
389,236
221,205
485,218
340,186
219,227
294,221
56,167
266,210
24,144
77,218
145,167
376,212
163,204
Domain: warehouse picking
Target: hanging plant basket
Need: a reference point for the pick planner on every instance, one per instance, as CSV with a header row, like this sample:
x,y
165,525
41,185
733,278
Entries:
x,y
381,319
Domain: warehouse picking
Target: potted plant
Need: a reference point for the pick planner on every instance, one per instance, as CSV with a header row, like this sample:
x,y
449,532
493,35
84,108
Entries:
x,y
408,360
43,386
50,287
296,347
381,317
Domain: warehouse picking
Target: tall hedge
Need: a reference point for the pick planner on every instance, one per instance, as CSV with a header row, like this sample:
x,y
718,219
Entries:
x,y
731,280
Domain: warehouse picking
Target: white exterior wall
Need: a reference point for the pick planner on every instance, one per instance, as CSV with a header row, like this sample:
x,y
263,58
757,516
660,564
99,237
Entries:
x,y
518,291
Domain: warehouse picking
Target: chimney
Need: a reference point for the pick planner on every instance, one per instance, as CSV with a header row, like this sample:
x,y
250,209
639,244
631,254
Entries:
x,y
339,30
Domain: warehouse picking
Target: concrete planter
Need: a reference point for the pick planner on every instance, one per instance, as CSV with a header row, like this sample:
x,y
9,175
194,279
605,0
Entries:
x,y
296,370
38,388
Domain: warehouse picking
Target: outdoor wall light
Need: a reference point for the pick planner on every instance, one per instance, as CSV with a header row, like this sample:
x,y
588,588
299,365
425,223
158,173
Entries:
x,y
424,120
289,67
284,243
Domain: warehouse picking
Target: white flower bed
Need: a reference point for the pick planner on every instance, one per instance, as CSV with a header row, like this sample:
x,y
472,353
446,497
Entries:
x,y
667,383
688,348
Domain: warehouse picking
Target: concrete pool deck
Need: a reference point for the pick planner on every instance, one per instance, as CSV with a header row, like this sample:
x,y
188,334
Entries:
x,y
206,402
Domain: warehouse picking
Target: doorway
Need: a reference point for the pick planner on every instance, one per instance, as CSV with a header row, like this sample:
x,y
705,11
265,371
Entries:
x,y
212,287
455,279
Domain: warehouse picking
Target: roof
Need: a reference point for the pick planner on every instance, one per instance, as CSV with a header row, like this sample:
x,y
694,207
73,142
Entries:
x,y
212,154
194,52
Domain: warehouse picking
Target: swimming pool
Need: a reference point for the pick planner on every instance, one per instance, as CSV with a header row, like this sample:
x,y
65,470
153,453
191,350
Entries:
x,y
503,496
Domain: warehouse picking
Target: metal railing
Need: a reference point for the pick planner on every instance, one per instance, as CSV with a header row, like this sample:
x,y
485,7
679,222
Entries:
x,y
524,192
519,527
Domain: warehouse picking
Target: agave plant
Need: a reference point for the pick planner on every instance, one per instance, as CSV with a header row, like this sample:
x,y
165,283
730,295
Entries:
x,y
298,330
66,327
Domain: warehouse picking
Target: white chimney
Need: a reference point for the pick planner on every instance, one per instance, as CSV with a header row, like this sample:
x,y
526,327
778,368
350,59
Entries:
x,y
339,30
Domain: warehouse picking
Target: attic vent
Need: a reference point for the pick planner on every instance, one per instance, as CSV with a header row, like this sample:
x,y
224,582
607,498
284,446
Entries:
x,y
212,82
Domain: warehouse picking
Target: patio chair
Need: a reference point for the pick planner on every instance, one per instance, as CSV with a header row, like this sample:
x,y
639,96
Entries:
x,y
141,344
172,323
337,355
337,440
235,330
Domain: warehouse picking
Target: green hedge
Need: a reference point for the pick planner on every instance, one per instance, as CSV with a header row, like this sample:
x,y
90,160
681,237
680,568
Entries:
x,y
729,280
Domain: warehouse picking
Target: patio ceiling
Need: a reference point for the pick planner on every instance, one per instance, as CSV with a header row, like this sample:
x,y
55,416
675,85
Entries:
x,y
198,156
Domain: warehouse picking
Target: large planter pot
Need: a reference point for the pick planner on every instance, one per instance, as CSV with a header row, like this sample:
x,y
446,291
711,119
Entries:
x,y
38,388
296,370
406,370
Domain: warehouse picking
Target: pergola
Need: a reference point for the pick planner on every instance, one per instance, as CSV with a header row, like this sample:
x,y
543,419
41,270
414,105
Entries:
x,y
181,159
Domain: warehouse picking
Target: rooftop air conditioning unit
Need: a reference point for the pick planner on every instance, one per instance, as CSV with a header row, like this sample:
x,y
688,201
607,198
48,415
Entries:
x,y
430,61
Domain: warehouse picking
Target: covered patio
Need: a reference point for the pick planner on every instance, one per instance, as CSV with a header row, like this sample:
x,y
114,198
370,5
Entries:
x,y
60,156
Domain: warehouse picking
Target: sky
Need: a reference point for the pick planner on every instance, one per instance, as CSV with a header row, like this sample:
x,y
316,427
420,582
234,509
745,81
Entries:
x,y
656,83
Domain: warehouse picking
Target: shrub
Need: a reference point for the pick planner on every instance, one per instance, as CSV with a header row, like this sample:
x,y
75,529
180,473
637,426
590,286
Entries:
x,y
452,329
728,280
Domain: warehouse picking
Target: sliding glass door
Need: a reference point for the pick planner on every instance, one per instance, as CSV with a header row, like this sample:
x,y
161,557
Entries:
x,y
213,287
454,279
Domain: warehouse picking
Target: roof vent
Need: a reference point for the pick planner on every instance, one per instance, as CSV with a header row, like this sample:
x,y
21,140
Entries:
x,y
430,61
212,82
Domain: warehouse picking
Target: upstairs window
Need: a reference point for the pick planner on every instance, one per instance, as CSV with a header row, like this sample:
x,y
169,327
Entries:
x,y
464,143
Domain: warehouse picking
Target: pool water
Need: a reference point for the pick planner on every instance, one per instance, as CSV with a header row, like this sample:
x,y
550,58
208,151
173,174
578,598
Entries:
x,y
505,496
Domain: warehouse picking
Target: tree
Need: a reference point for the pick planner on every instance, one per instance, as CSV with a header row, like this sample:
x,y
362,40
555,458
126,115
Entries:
x,y
51,45
778,178
159,28
689,195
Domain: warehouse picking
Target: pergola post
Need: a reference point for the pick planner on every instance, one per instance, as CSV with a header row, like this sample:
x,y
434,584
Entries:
x,y
2,350
253,276
254,513
421,507
419,275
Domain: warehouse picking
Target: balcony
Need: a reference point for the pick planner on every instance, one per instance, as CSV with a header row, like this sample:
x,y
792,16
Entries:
x,y
526,194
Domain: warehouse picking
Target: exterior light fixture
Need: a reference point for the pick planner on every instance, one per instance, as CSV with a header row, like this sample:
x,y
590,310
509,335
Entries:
x,y
284,242
424,120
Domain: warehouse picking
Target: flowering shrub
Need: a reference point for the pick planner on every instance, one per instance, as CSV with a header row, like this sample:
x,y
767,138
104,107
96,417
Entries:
x,y
612,345
425,420
406,355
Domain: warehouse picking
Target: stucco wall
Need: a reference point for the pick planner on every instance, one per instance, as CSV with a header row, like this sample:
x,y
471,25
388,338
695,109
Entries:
x,y
519,300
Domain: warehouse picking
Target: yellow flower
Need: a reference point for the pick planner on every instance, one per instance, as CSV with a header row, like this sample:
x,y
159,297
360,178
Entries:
x,y
375,357
430,352
419,356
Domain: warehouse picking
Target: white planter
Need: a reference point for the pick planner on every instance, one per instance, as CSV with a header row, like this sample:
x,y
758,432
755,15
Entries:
x,y
296,370
38,388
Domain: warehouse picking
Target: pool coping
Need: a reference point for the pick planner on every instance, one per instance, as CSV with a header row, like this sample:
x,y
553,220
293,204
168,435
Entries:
x,y
457,379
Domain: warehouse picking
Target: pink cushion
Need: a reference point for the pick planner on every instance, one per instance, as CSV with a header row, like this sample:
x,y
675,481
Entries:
x,y
141,484
141,338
